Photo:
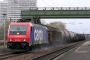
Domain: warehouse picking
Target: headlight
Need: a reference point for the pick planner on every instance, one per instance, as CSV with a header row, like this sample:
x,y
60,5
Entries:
x,y
24,40
10,39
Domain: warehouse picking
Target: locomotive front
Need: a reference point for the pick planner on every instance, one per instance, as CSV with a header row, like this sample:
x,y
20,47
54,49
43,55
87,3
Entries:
x,y
18,36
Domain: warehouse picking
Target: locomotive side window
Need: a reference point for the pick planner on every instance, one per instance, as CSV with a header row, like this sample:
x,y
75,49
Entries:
x,y
17,30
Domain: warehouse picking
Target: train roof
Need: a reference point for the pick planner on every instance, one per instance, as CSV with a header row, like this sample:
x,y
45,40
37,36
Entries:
x,y
21,23
26,23
39,25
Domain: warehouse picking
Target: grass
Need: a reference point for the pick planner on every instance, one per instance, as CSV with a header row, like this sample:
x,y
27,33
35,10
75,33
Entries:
x,y
89,45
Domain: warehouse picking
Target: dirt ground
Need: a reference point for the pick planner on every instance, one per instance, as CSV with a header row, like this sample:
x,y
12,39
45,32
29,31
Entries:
x,y
3,49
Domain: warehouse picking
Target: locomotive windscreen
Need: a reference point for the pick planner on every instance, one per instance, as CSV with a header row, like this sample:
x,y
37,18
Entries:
x,y
18,30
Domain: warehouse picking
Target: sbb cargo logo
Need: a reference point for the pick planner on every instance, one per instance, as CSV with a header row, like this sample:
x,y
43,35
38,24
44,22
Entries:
x,y
38,35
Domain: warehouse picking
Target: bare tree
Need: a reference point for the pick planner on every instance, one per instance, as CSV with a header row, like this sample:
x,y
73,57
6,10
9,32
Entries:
x,y
58,24
43,22
7,22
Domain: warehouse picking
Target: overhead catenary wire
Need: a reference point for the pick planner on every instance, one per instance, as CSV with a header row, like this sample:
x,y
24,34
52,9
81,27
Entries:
x,y
53,3
46,3
50,5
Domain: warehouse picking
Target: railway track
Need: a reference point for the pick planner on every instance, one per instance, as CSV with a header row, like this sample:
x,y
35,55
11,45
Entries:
x,y
11,54
34,55
7,55
54,54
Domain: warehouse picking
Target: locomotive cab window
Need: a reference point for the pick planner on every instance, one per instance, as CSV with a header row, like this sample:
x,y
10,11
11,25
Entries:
x,y
18,30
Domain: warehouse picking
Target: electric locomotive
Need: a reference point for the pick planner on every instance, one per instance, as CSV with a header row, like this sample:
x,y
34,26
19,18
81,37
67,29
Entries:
x,y
22,35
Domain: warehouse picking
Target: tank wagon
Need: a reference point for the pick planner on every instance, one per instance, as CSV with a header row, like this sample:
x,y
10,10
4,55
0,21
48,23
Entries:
x,y
80,37
24,35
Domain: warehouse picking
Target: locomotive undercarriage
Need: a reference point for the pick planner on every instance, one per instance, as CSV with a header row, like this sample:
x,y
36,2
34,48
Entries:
x,y
17,45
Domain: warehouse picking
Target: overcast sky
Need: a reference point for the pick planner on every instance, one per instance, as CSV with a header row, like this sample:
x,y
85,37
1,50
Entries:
x,y
64,3
76,25
1,0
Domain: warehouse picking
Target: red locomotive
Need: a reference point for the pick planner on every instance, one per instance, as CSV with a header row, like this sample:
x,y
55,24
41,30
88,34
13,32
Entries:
x,y
22,35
